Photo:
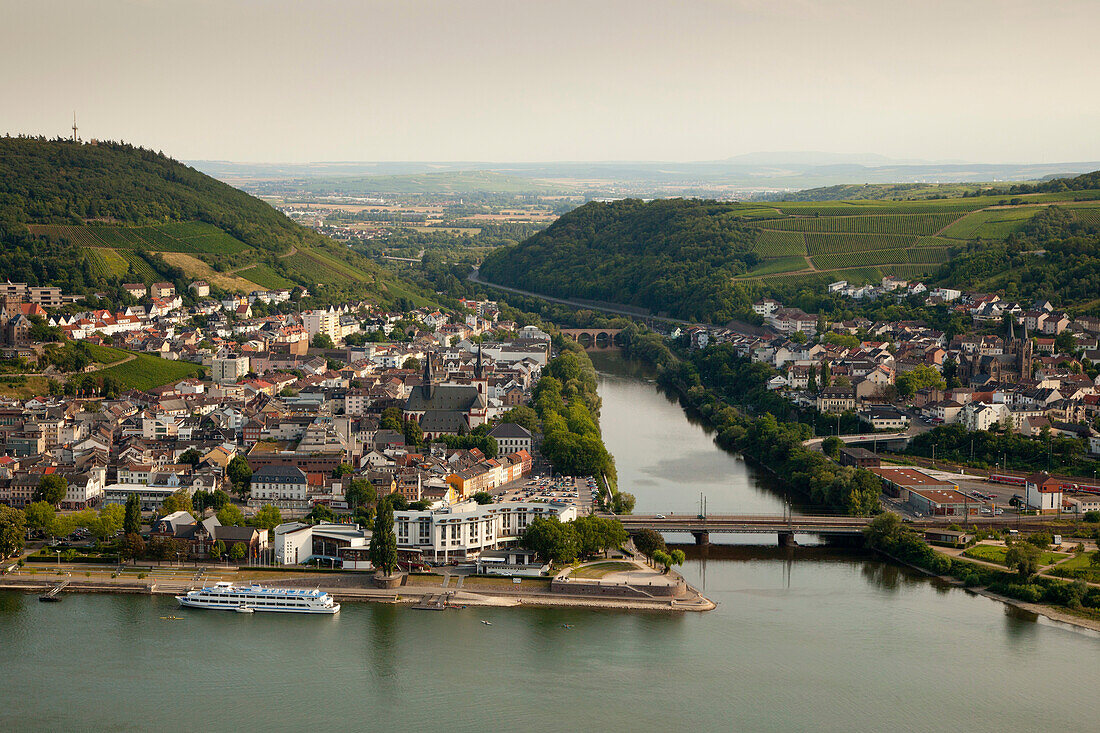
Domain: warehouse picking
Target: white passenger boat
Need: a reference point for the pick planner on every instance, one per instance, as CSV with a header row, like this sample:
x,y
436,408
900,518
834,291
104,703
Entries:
x,y
228,597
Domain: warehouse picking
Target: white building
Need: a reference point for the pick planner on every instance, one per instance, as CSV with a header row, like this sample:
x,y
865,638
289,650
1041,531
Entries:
x,y
464,530
279,484
323,320
228,369
511,438
297,543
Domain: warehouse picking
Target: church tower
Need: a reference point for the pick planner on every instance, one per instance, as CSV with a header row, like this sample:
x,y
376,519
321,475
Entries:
x,y
429,387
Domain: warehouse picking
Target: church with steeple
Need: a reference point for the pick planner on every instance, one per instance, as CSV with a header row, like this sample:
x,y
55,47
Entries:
x,y
449,409
1013,364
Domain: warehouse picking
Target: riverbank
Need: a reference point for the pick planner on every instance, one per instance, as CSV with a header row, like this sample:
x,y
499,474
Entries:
x,y
1040,609
356,588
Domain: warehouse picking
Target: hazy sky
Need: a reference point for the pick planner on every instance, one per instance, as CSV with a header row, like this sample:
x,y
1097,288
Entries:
x,y
277,81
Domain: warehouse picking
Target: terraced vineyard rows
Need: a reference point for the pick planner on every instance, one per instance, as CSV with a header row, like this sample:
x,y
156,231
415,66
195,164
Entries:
x,y
265,277
878,224
824,244
141,267
105,262
188,237
1090,216
776,243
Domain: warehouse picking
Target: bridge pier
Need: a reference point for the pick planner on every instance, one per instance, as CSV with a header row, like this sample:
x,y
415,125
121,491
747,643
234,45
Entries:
x,y
702,538
786,539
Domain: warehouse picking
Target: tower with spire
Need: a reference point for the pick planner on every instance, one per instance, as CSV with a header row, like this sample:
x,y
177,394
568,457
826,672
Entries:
x,y
76,138
429,387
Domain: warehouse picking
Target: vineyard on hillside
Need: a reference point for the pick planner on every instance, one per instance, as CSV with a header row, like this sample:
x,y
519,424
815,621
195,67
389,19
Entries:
x,y
187,237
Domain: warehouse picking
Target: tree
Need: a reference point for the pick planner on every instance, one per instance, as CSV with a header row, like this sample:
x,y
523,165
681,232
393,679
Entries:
x,y
908,383
622,503
322,341
39,515
191,456
230,516
383,542
391,419
648,542
240,473
237,552
13,530
344,469
597,534
414,434
132,546
177,501
411,363
109,522
551,540
831,447
420,505
483,497
267,517
663,558
1024,558
51,489
320,513
522,416
131,523
217,550
678,557
398,502
360,493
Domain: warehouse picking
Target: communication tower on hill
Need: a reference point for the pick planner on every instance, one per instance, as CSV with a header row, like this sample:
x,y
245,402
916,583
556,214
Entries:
x,y
75,138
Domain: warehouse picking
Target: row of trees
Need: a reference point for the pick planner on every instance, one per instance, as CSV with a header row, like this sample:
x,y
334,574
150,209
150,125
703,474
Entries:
x,y
564,542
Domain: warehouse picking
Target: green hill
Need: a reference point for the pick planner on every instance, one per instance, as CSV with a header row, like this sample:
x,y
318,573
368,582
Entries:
x,y
706,260
87,217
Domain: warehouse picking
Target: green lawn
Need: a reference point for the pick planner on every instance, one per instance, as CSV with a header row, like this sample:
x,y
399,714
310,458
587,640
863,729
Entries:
x,y
1080,566
602,569
996,553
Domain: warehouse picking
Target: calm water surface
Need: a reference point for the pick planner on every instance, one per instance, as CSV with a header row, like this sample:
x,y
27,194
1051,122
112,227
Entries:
x,y
802,639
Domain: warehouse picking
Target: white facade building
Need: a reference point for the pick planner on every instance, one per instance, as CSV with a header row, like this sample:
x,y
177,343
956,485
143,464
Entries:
x,y
464,530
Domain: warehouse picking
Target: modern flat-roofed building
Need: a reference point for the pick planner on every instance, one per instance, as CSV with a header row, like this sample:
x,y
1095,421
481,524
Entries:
x,y
463,531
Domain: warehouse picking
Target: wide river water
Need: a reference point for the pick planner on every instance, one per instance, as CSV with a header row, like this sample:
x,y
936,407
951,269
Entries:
x,y
802,639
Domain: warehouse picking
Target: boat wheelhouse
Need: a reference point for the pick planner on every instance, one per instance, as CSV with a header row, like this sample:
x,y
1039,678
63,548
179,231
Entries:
x,y
228,597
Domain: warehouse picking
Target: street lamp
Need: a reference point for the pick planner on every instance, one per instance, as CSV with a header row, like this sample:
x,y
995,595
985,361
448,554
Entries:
x,y
58,557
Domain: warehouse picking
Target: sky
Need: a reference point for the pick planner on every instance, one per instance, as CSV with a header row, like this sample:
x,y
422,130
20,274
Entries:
x,y
561,80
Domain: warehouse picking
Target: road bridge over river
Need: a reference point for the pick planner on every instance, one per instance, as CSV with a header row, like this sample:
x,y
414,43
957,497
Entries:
x,y
785,527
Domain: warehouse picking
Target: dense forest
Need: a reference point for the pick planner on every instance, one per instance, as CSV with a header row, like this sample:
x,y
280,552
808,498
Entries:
x,y
674,256
1055,256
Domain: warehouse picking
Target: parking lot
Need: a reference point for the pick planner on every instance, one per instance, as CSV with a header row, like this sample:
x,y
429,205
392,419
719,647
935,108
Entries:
x,y
575,490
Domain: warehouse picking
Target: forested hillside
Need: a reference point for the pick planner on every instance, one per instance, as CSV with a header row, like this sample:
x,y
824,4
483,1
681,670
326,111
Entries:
x,y
89,216
672,255
707,261
1055,256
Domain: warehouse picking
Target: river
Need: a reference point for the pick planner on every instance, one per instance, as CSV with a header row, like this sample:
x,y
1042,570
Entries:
x,y
809,638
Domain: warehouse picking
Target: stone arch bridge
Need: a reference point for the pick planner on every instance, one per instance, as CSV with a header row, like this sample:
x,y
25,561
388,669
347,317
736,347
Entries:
x,y
594,338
